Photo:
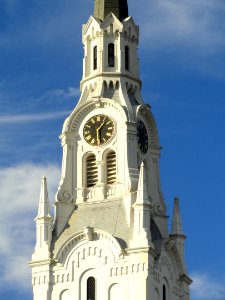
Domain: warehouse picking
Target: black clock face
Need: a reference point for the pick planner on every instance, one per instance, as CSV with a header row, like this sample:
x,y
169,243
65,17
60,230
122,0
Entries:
x,y
142,136
98,130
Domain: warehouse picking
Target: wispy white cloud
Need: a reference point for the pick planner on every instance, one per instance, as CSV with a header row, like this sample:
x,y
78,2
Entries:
x,y
197,26
205,287
26,118
20,186
61,94
50,100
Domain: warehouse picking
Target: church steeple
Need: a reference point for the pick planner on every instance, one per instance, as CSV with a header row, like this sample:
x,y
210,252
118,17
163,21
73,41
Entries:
x,y
104,7
110,237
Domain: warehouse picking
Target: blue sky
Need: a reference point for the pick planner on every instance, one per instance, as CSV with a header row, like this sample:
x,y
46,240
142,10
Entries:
x,y
182,60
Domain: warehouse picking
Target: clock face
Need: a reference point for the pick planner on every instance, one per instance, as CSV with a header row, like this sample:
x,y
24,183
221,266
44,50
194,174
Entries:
x,y
98,130
142,136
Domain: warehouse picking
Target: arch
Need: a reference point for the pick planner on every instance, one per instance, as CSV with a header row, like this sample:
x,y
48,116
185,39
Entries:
x,y
127,58
91,170
105,84
73,245
95,58
174,256
114,292
145,114
83,282
111,85
111,55
164,292
74,121
91,288
165,289
111,167
65,295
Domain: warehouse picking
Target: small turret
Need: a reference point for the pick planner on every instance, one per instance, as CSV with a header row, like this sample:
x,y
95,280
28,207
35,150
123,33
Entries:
x,y
43,225
177,231
142,210
176,223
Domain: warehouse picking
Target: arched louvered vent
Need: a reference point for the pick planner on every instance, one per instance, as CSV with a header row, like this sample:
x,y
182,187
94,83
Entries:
x,y
92,171
91,288
111,167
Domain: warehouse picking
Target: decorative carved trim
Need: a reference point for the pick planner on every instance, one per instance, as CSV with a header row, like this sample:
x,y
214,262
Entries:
x,y
89,106
66,249
164,263
171,250
128,269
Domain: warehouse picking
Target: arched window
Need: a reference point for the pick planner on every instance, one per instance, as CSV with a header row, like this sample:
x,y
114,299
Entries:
x,y
127,58
95,57
111,167
111,55
91,171
164,292
91,288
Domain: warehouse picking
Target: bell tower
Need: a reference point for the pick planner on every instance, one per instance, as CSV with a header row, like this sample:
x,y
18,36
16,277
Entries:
x,y
110,237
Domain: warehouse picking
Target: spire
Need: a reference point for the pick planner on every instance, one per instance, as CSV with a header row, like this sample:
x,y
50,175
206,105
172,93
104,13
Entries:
x,y
44,207
104,7
142,193
176,223
142,211
43,226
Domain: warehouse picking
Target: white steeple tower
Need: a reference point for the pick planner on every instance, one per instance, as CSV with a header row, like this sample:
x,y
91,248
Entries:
x,y
110,238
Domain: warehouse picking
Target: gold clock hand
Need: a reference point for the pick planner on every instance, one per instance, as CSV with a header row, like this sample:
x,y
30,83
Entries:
x,y
98,137
103,122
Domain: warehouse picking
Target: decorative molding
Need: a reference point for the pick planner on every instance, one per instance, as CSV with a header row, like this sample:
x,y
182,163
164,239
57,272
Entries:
x,y
89,106
145,114
158,210
128,269
164,263
71,244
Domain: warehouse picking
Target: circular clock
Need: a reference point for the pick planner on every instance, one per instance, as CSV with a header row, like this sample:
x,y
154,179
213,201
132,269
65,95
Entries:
x,y
98,130
142,136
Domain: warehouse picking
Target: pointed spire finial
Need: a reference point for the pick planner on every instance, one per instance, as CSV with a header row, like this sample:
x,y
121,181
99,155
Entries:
x,y
44,207
104,7
176,223
142,193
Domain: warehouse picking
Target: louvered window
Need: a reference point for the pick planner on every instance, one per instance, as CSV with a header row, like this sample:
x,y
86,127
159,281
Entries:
x,y
92,171
111,167
91,288
111,55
